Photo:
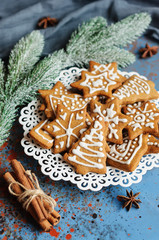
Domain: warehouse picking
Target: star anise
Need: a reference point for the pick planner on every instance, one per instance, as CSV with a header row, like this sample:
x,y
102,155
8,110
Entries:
x,y
47,22
148,51
129,200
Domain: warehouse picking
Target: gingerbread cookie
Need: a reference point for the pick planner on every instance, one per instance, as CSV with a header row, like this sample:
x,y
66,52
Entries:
x,y
67,127
111,68
40,136
60,95
127,155
97,84
135,89
153,144
111,113
145,118
89,153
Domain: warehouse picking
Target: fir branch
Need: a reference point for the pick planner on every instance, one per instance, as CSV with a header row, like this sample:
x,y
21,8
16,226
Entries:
x,y
2,80
22,60
42,76
121,56
118,34
84,33
127,30
8,114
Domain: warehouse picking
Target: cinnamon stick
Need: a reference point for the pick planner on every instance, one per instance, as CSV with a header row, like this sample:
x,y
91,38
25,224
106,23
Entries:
x,y
8,177
41,211
53,216
21,177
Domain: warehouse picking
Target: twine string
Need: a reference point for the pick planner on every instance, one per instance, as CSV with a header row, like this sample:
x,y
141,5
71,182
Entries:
x,y
27,196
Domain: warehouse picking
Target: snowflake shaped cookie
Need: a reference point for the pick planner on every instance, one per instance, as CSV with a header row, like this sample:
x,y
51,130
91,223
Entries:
x,y
67,127
135,89
101,80
112,114
127,155
89,153
60,95
145,118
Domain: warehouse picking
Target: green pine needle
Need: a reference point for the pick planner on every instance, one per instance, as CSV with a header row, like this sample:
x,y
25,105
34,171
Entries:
x,y
22,60
2,80
85,32
42,76
127,30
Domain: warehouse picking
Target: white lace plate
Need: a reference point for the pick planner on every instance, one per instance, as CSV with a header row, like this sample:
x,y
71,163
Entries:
x,y
56,168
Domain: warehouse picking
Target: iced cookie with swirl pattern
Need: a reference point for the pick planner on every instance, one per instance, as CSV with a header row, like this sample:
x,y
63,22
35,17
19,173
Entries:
x,y
60,95
153,144
111,68
89,153
111,113
127,156
135,89
67,127
145,118
97,84
40,136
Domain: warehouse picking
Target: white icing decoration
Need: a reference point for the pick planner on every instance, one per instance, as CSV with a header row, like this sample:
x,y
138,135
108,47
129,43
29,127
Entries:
x,y
103,68
69,130
78,117
125,148
55,128
109,116
66,99
141,118
132,88
97,83
95,79
95,134
37,131
61,144
63,116
82,130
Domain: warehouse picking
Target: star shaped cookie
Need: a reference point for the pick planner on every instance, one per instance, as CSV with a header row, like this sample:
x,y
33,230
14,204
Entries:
x,y
67,127
145,118
100,83
89,153
112,114
111,68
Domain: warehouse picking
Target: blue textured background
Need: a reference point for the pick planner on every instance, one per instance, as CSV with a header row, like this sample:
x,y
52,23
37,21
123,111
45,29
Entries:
x,y
85,215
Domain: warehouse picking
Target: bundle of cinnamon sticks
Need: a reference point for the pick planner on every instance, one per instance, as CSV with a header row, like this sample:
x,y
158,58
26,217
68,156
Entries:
x,y
40,210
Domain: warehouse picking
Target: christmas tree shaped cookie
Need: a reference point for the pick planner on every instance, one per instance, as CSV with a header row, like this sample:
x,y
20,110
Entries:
x,y
145,118
67,127
127,156
135,89
94,84
111,68
60,95
111,113
89,153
